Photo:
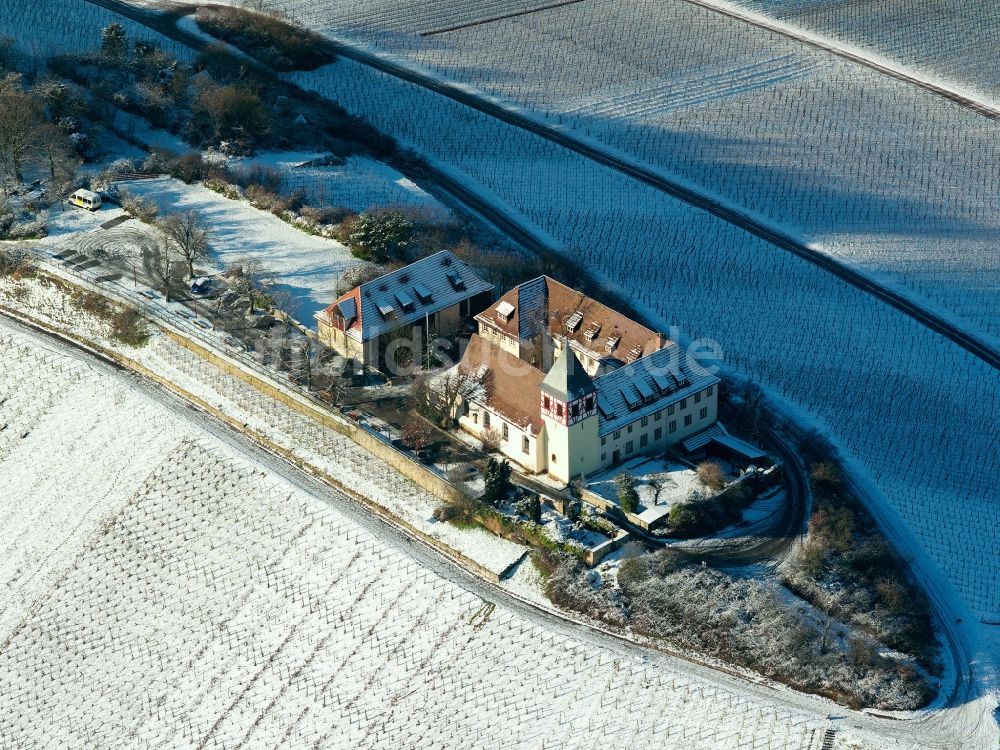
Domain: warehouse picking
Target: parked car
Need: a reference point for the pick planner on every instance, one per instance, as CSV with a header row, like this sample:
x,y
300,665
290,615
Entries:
x,y
202,285
87,199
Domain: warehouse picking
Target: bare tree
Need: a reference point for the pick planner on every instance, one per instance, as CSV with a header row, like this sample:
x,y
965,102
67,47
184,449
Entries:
x,y
436,394
8,53
20,117
189,235
657,485
56,150
161,264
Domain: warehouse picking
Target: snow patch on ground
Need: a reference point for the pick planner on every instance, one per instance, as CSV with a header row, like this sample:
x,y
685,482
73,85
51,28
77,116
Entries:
x,y
306,266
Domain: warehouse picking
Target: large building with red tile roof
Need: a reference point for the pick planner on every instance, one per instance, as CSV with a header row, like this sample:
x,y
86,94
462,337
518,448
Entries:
x,y
576,387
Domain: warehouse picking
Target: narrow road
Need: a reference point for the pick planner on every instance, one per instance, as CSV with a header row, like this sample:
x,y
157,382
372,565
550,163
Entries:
x,y
165,23
774,543
924,730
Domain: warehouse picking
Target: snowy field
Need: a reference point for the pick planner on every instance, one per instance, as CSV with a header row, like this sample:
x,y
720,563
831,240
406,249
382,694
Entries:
x,y
161,589
306,266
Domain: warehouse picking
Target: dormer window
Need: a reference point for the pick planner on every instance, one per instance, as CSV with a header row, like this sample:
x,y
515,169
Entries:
x,y
573,322
612,343
505,311
404,300
457,282
634,353
592,330
423,293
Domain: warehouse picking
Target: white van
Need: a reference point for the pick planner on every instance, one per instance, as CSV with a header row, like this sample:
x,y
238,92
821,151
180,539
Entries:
x,y
87,199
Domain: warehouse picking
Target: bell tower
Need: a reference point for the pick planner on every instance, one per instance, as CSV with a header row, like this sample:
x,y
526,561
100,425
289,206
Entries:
x,y
569,411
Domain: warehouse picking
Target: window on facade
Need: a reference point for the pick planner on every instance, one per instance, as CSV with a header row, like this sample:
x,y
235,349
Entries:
x,y
546,403
618,434
475,417
629,447
658,416
630,428
604,456
673,425
576,409
670,409
658,434
590,403
554,458
644,421
710,390
643,440
558,410
684,403
525,444
604,439
703,413
486,420
687,420
505,430
697,397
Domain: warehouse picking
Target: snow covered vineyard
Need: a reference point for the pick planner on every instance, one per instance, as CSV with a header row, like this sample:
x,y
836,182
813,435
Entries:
x,y
191,597
951,41
896,181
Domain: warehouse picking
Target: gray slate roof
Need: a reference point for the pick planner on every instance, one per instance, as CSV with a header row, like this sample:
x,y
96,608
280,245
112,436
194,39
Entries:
x,y
648,385
442,276
567,380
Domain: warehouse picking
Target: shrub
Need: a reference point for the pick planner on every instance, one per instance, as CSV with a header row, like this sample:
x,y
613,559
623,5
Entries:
x,y
628,497
417,434
13,261
462,510
491,440
496,475
379,237
129,327
711,475
270,39
138,206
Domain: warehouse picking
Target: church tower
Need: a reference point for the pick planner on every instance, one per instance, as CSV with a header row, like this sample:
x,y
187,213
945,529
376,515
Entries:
x,y
569,411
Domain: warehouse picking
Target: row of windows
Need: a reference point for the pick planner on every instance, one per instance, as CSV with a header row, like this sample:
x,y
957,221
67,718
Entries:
x,y
504,430
657,433
657,416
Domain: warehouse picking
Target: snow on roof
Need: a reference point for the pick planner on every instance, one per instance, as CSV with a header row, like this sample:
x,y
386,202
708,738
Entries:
x,y
407,294
644,386
718,433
